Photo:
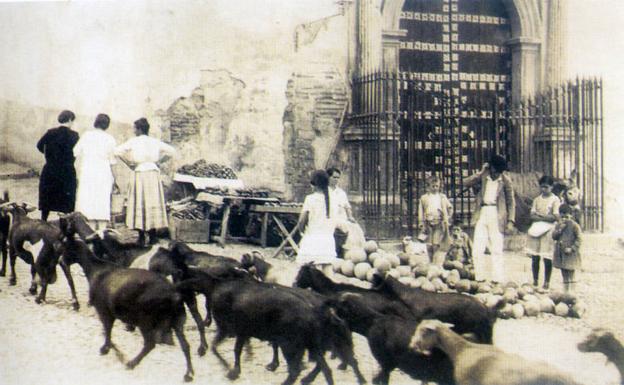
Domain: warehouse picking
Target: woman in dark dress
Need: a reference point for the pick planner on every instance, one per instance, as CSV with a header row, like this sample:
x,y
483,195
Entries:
x,y
57,185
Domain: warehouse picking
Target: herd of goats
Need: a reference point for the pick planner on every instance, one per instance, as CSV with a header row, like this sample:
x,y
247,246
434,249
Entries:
x,y
444,338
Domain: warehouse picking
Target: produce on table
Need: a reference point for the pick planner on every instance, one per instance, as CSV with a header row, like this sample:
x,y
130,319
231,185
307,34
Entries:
x,y
203,169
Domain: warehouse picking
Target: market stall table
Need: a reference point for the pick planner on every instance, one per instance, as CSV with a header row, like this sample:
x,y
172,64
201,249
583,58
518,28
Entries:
x,y
227,201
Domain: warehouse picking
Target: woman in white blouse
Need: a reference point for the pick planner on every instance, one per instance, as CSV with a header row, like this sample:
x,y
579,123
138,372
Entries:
x,y
146,202
95,153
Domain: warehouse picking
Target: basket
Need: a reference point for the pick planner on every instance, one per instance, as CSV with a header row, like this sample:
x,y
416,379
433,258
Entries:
x,y
187,230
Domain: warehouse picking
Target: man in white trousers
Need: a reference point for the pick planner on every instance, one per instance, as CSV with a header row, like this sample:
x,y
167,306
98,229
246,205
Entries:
x,y
494,215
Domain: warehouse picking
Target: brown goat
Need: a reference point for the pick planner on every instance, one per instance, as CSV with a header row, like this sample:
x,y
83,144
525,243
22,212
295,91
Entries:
x,y
603,341
480,364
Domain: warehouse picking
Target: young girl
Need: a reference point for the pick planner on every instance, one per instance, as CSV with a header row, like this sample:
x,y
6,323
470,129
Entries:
x,y
544,212
434,211
567,257
317,245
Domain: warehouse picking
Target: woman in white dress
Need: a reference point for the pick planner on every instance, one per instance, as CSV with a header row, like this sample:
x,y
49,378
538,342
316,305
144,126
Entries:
x,y
95,154
146,210
317,245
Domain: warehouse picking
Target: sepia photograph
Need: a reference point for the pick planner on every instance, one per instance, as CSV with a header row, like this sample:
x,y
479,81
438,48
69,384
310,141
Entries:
x,y
312,191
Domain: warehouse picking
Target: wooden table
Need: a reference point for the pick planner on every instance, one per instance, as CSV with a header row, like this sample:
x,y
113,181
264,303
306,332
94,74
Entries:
x,y
226,201
270,213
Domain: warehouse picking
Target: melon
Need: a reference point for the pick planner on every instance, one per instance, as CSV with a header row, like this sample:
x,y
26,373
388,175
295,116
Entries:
x,y
394,260
336,264
510,295
546,305
381,264
530,298
463,286
347,268
418,282
404,271
370,246
498,290
578,310
506,312
373,256
393,273
438,284
356,255
420,270
428,286
532,308
517,311
562,309
511,284
433,271
407,281
484,288
361,269
528,289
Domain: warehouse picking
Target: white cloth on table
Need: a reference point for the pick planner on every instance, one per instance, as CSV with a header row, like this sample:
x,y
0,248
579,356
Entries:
x,y
317,243
95,154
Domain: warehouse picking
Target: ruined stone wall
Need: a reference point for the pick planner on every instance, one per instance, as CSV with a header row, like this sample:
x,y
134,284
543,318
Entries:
x,y
21,126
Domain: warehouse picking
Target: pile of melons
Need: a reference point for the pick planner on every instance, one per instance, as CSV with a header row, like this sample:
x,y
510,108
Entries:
x,y
509,299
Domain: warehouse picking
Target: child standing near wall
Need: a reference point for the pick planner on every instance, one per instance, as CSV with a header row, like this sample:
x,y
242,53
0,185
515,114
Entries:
x,y
434,211
567,256
544,214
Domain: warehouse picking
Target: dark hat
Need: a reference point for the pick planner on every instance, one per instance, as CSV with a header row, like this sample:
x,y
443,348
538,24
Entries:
x,y
498,163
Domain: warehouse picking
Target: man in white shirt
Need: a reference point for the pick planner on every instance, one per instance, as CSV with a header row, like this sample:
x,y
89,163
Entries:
x,y
494,215
340,209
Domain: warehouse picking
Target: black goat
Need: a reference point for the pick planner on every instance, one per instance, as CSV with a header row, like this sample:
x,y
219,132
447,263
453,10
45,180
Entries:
x,y
44,236
245,308
388,338
604,342
311,277
5,224
469,315
137,297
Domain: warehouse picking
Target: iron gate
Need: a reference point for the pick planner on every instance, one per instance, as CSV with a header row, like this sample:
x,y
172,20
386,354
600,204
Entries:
x,y
410,131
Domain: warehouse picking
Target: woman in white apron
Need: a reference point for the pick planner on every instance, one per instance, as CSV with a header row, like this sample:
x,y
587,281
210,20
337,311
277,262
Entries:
x,y
146,210
317,245
95,154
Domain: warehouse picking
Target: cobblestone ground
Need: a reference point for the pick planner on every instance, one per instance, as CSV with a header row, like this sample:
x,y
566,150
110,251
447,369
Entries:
x,y
52,344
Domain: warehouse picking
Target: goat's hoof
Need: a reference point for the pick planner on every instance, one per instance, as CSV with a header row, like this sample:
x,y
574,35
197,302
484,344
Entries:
x,y
131,364
104,350
12,282
188,378
342,366
233,374
202,350
272,366
39,300
33,290
76,306
2,273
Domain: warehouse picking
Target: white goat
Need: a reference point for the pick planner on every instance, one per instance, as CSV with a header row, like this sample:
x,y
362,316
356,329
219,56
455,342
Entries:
x,y
478,364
